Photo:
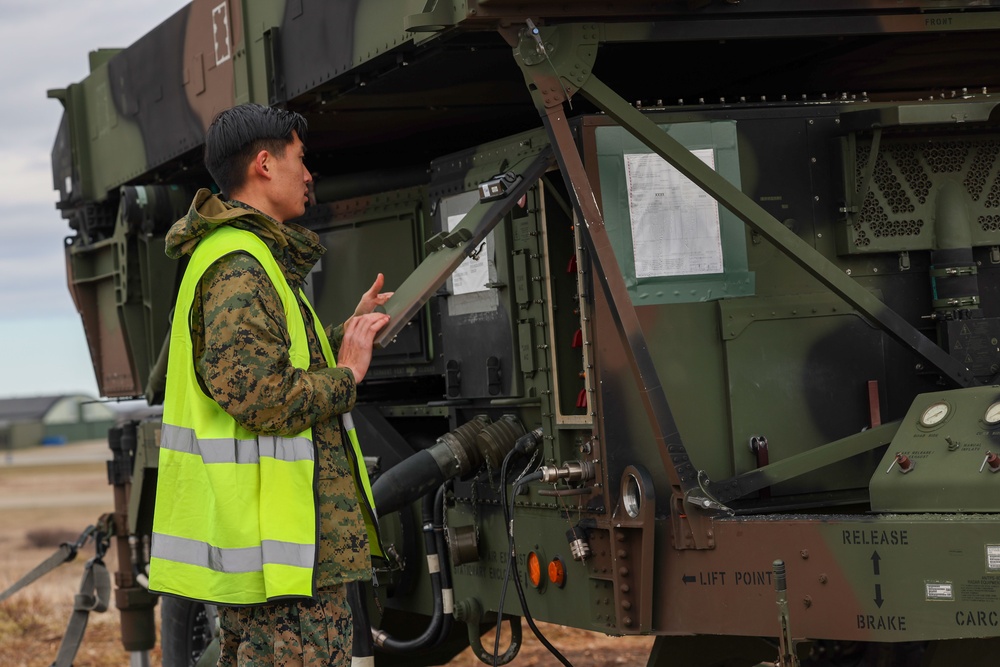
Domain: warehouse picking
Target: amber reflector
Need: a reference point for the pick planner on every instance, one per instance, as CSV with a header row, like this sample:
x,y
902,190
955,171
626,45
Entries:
x,y
534,569
557,572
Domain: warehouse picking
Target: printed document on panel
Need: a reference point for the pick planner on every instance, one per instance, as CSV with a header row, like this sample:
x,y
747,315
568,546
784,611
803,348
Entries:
x,y
472,275
675,224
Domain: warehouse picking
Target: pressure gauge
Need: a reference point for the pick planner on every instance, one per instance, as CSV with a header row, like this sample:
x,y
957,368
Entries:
x,y
992,416
935,413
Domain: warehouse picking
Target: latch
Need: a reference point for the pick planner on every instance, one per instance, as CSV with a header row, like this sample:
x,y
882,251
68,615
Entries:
x,y
453,378
498,186
447,240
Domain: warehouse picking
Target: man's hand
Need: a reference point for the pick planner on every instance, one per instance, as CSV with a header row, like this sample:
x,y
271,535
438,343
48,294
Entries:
x,y
373,297
359,334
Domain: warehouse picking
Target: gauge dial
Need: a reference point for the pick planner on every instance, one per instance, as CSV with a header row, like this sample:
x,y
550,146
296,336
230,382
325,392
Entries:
x,y
992,415
935,413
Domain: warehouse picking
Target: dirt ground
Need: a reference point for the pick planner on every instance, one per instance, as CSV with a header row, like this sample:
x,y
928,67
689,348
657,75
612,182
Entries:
x,y
48,495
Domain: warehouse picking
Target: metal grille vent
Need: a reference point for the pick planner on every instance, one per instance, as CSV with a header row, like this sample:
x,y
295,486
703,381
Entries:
x,y
990,223
913,172
979,172
874,216
898,205
946,157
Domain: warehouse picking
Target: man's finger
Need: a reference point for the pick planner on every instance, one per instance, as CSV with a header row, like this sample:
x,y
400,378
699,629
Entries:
x,y
369,324
377,321
377,285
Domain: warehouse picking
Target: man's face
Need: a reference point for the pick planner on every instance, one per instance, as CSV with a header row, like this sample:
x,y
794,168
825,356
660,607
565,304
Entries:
x,y
290,181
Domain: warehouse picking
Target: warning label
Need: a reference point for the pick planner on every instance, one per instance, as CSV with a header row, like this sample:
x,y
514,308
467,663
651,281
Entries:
x,y
993,557
939,590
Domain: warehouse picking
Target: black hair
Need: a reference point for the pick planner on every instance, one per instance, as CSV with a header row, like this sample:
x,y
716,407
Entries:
x,y
238,134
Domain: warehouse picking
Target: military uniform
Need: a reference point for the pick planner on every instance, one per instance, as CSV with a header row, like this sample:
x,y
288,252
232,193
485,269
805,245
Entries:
x,y
241,356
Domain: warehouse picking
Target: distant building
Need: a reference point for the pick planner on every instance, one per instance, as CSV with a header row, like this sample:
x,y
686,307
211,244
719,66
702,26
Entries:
x,y
27,422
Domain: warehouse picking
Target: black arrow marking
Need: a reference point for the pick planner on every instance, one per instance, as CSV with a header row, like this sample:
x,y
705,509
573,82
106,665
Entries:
x,y
878,596
875,559
688,579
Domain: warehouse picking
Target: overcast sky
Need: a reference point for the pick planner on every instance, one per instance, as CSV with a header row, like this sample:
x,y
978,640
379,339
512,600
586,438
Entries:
x,y
43,45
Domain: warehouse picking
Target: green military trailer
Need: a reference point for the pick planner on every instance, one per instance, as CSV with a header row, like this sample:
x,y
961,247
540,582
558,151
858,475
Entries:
x,y
696,321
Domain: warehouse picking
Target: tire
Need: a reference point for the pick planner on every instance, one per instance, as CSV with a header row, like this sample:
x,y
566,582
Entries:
x,y
187,631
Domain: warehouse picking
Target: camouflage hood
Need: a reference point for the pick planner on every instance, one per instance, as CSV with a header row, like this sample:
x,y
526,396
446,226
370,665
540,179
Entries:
x,y
296,248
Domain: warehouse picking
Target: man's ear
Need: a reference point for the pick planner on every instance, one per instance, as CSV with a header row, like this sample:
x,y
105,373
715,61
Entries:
x,y
261,166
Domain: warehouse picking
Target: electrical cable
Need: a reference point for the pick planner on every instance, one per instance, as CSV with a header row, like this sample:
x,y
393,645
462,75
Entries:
x,y
508,510
517,579
506,575
526,443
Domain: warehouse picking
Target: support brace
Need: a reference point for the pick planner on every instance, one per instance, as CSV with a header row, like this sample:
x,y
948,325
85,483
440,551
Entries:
x,y
557,62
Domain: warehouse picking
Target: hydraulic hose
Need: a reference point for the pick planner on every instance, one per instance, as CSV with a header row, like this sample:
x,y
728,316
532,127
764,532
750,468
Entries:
x,y
412,478
451,455
447,593
431,633
459,453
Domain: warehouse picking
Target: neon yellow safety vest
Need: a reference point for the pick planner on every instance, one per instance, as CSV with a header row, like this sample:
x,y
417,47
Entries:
x,y
235,520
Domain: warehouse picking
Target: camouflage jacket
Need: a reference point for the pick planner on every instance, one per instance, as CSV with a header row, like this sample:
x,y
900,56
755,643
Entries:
x,y
241,356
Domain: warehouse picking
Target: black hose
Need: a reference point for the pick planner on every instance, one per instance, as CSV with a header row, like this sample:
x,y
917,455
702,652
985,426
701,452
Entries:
x,y
406,481
412,478
447,594
431,633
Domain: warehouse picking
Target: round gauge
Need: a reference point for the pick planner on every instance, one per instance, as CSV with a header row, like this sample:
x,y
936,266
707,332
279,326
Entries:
x,y
935,413
992,415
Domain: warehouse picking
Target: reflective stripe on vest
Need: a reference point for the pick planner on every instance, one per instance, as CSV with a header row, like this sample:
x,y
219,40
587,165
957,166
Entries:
x,y
235,519
248,559
221,450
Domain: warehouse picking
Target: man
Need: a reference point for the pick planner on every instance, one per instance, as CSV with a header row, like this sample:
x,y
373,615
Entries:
x,y
263,503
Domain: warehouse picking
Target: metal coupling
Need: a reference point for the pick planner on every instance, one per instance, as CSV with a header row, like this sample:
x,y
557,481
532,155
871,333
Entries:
x,y
579,548
379,637
571,471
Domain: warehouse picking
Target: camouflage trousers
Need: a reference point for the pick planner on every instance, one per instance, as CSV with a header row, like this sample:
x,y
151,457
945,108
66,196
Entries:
x,y
304,633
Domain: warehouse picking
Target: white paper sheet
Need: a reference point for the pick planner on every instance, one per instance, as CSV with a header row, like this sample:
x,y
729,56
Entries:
x,y
675,224
472,275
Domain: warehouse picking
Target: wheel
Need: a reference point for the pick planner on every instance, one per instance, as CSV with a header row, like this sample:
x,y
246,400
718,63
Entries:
x,y
187,630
